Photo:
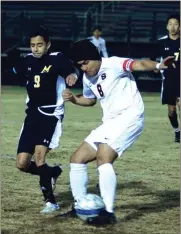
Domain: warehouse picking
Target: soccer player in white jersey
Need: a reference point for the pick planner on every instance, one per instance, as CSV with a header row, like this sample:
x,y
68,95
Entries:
x,y
111,82
98,41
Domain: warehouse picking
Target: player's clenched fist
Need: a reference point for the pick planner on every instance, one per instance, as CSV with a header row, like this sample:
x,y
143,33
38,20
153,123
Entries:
x,y
67,95
71,79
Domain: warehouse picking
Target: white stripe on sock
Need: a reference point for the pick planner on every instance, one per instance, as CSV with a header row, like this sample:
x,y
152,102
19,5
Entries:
x,y
176,129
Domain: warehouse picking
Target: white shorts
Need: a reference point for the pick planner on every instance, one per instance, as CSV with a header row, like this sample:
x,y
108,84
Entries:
x,y
119,133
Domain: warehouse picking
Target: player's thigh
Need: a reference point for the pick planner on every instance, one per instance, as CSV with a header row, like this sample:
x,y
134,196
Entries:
x,y
105,154
84,154
23,160
26,138
168,93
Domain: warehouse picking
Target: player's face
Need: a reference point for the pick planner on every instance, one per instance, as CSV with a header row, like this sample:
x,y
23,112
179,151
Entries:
x,y
90,67
173,26
97,33
39,46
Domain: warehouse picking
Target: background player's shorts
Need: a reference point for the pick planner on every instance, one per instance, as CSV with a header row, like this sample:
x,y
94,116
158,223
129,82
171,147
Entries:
x,y
119,133
170,90
39,129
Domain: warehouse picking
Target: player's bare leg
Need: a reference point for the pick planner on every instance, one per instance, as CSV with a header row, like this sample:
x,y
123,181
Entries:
x,y
172,115
107,182
24,163
178,104
78,169
46,174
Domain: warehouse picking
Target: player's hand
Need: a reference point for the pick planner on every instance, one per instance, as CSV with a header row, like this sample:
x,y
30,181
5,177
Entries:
x,y
71,79
67,95
166,62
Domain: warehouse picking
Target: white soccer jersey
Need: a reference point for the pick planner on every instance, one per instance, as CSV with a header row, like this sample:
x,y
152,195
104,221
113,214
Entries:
x,y
100,44
115,87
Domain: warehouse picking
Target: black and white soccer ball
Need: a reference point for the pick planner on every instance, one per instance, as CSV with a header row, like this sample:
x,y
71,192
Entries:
x,y
88,206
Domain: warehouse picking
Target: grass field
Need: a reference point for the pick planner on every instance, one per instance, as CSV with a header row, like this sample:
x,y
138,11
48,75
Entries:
x,y
147,200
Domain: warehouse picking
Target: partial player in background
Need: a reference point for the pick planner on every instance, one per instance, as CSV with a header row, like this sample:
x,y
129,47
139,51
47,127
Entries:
x,y
111,82
45,74
98,41
169,45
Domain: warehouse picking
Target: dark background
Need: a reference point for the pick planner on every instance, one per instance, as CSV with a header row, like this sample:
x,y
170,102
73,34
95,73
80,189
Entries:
x,y
129,28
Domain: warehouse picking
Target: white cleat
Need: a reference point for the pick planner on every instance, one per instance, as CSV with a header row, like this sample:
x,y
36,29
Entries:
x,y
49,208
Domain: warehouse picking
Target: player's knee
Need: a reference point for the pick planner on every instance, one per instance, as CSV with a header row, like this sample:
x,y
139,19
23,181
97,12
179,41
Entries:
x,y
39,157
101,161
22,165
76,158
171,113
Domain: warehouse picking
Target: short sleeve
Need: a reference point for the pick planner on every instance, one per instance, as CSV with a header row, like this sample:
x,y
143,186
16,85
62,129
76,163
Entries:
x,y
124,64
87,92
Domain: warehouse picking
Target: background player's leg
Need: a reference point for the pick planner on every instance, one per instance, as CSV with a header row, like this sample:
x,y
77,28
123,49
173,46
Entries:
x,y
172,115
78,169
178,105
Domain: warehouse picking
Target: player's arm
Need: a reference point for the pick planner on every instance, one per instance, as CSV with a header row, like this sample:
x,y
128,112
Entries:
x,y
86,99
146,65
68,70
78,99
149,65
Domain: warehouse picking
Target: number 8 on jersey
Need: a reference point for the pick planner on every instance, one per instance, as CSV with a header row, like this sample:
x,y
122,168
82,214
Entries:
x,y
99,89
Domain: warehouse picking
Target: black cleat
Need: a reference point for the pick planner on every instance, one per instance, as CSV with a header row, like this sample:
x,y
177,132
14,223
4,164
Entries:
x,y
69,214
57,171
73,212
177,137
103,219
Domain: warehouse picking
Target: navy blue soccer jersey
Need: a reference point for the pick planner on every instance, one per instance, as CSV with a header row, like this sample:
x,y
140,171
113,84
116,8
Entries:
x,y
168,47
44,77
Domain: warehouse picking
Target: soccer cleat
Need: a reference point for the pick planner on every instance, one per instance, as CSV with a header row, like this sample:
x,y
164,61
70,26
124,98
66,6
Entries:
x,y
49,208
177,137
73,211
102,219
57,173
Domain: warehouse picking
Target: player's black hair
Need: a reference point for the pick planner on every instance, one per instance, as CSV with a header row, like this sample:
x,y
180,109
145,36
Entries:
x,y
97,27
84,50
40,31
174,16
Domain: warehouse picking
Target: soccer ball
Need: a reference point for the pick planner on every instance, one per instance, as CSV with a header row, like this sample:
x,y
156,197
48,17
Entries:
x,y
88,206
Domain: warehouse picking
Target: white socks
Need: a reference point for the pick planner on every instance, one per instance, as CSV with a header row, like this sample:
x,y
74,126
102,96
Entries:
x,y
78,179
107,183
